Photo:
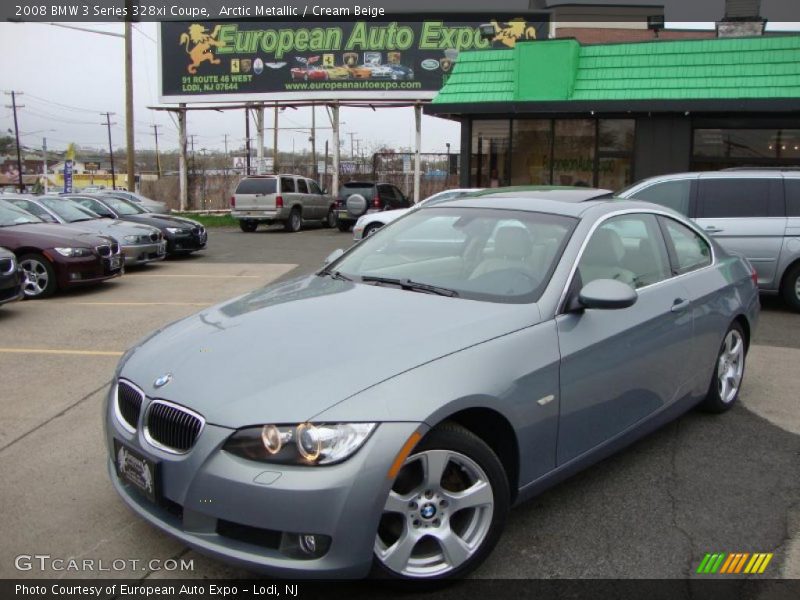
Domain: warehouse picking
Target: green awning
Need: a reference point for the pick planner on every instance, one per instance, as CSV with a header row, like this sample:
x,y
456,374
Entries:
x,y
563,71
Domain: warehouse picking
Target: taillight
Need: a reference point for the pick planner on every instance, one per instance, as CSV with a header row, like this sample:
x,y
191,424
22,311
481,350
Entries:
x,y
279,202
754,275
376,201
340,204
233,201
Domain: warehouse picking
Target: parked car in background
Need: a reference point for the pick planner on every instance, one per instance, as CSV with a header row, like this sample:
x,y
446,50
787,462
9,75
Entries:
x,y
286,199
10,277
565,193
150,205
141,244
370,223
357,198
754,212
545,336
183,235
53,256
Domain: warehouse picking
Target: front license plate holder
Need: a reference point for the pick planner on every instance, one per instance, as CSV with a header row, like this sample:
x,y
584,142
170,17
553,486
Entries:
x,y
139,471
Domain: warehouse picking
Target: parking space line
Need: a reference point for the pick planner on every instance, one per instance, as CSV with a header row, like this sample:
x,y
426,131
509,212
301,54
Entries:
x,y
204,276
138,303
63,352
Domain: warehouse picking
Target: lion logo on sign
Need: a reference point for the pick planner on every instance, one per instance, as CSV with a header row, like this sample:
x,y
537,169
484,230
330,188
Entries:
x,y
514,30
203,42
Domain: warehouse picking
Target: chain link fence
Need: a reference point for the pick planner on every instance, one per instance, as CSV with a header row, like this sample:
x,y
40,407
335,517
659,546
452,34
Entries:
x,y
213,190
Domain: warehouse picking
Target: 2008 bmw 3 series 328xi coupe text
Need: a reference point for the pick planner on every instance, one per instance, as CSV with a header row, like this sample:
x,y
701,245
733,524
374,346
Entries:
x,y
504,344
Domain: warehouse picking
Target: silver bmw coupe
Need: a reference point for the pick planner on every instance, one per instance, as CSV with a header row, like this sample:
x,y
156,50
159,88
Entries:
x,y
512,342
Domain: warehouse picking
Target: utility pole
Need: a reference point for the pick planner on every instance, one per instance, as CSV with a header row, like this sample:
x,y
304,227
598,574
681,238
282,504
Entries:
x,y
258,113
275,141
108,124
183,184
314,169
14,107
44,163
352,135
158,156
130,151
247,139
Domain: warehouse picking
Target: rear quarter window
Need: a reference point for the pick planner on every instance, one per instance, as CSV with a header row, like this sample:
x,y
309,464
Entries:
x,y
287,185
264,185
792,187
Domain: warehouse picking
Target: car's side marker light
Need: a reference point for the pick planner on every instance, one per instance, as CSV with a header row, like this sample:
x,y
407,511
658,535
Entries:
x,y
403,454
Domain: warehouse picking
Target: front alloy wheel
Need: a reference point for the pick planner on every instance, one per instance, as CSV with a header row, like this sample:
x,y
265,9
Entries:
x,y
39,278
728,373
446,509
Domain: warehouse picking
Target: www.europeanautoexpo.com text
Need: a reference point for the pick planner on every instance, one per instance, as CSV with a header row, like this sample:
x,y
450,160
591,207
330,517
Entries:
x,y
155,591
157,10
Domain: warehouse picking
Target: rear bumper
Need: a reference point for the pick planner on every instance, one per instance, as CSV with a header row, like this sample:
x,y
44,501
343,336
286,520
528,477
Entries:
x,y
260,215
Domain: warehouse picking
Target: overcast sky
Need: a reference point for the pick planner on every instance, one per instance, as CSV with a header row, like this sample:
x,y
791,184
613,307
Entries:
x,y
69,77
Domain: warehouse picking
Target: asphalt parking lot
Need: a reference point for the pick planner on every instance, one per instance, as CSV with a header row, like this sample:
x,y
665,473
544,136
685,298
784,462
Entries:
x,y
702,484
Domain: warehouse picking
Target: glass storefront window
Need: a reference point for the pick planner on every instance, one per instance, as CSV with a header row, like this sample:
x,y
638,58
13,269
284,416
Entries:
x,y
573,154
531,143
721,148
615,135
614,173
490,144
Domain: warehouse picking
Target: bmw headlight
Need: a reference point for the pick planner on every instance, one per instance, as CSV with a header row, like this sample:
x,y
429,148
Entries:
x,y
131,239
74,252
175,230
303,444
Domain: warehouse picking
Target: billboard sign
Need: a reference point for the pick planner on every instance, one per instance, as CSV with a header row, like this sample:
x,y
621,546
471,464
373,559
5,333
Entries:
x,y
368,59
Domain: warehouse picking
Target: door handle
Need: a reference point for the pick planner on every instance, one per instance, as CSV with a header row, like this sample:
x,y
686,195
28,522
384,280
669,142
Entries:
x,y
679,305
712,229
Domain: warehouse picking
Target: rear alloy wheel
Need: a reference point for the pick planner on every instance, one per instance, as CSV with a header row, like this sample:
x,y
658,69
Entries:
x,y
331,219
248,226
294,222
790,288
728,373
39,277
446,509
372,228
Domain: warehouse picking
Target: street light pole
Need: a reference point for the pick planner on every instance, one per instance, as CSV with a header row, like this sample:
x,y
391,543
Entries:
x,y
129,142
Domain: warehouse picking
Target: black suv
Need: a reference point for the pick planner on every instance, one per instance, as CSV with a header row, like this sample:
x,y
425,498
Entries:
x,y
356,198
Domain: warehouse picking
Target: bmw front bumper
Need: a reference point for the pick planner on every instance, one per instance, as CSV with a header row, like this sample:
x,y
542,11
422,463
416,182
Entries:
x,y
246,512
140,254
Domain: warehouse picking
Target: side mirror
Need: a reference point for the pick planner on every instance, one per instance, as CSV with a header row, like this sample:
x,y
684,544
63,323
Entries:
x,y
607,294
333,256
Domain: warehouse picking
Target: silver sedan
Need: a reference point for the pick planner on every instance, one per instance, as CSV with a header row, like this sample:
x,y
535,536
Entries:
x,y
512,342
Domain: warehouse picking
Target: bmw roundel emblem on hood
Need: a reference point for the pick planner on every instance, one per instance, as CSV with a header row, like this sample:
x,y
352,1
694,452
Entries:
x,y
162,381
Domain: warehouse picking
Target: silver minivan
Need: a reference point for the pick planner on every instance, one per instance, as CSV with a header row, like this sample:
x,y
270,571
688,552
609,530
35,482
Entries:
x,y
754,212
287,199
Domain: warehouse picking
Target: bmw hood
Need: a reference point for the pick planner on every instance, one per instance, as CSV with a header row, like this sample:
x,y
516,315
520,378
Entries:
x,y
47,235
115,228
285,353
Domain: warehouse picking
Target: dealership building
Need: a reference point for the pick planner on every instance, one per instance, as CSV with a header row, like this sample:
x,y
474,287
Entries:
x,y
564,112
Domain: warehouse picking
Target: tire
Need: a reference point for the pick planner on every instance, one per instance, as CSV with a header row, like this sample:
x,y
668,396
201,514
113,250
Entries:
x,y
344,227
295,221
331,219
371,228
39,276
424,511
723,392
790,288
248,226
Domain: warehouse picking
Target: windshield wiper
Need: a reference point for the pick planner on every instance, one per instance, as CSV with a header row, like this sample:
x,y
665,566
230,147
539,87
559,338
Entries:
x,y
334,275
414,286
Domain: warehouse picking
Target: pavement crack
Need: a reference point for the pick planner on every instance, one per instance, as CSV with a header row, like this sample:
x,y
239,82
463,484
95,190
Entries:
x,y
175,558
55,416
673,479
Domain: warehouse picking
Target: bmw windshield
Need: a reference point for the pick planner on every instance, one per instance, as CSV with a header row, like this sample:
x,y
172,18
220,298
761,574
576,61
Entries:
x,y
474,253
70,211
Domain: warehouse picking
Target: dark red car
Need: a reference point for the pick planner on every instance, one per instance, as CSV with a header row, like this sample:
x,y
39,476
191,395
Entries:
x,y
54,257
